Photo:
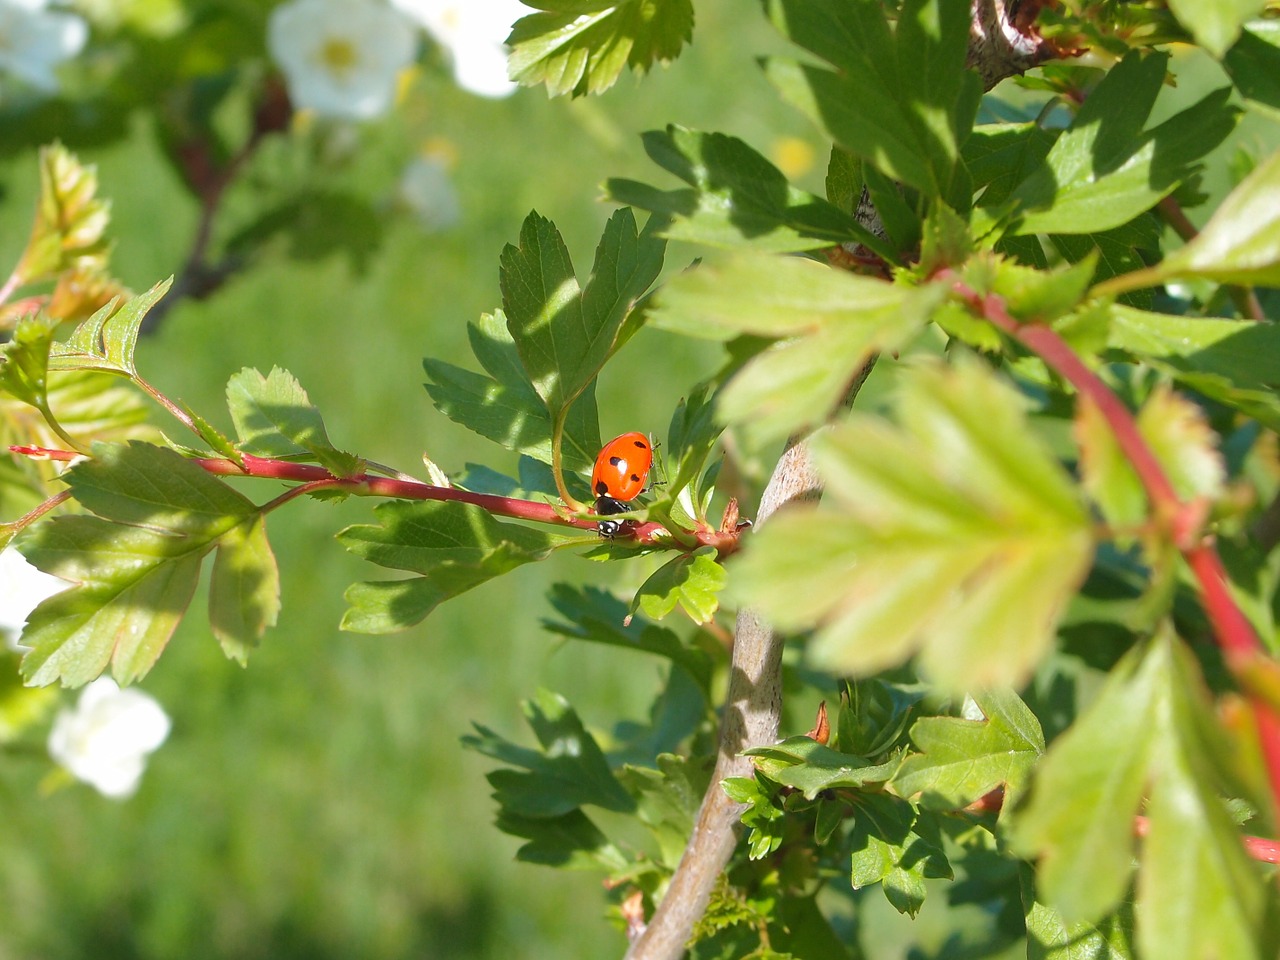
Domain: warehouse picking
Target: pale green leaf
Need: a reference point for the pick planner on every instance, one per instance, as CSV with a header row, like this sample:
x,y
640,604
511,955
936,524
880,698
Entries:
x,y
1215,24
274,417
692,580
244,592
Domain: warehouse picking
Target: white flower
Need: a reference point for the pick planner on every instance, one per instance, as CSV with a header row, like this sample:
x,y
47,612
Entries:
x,y
34,40
474,32
105,740
341,57
22,588
427,192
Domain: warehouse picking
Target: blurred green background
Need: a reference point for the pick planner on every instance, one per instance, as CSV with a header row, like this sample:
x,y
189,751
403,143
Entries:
x,y
318,803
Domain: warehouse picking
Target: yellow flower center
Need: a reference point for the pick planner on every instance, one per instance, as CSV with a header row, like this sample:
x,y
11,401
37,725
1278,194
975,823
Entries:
x,y
338,55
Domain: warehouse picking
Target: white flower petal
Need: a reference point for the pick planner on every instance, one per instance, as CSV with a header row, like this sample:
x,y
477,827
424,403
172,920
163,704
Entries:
x,y
33,41
105,740
475,35
22,589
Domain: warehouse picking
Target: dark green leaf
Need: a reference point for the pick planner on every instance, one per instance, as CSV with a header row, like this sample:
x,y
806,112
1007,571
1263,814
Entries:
x,y
893,845
581,47
1001,155
1254,63
274,417
764,817
961,760
667,800
737,198
570,841
811,767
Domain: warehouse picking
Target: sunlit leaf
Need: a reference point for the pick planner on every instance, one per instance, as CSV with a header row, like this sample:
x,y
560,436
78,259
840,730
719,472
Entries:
x,y
274,417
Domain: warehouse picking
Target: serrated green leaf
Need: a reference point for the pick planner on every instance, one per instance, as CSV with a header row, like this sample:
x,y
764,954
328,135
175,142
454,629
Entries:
x,y
1049,937
570,841
105,341
563,332
954,533
1001,155
1241,242
901,99
1253,63
581,48
836,320
1227,360
24,362
455,546
736,198
811,767
1215,25
691,436
874,715
70,220
274,417
692,580
595,616
1150,733
244,592
893,845
1105,169
962,760
667,800
569,771
763,817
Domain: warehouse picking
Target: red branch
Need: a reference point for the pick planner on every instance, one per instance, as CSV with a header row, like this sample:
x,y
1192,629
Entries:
x,y
1235,634
364,484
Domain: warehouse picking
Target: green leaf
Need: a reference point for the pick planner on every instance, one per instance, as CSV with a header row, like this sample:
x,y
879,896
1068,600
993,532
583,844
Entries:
x,y
70,220
563,332
1105,169
899,99
691,437
274,417
835,321
454,546
1149,734
1215,25
811,767
953,532
135,563
667,800
244,593
595,616
961,760
874,715
763,817
736,198
1001,155
1050,937
582,46
1230,361
106,340
24,362
569,771
570,841
1241,242
1253,63
893,845
693,580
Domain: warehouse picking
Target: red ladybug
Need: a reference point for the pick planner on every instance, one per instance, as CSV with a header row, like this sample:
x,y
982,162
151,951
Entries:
x,y
618,477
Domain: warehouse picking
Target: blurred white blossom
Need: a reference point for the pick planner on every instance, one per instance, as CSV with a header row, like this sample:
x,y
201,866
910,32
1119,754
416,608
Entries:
x,y
426,191
22,588
474,32
341,58
105,740
35,39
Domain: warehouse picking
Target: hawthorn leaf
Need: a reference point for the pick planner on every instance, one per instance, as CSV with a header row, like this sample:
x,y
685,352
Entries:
x,y
106,340
1253,63
667,800
736,198
691,437
454,547
274,417
24,362
900,99
692,580
812,767
569,770
1216,25
1241,242
763,817
1150,735
1001,155
961,760
71,221
1227,360
895,846
952,532
580,48
570,841
874,715
564,332
1050,937
1105,168
135,564
594,616
244,592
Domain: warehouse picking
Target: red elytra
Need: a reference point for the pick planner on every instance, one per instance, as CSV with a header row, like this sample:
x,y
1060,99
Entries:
x,y
619,475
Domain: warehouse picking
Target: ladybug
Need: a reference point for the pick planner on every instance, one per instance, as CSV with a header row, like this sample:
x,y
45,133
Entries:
x,y
619,476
